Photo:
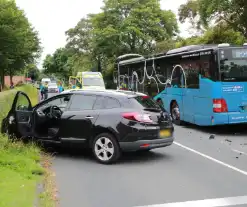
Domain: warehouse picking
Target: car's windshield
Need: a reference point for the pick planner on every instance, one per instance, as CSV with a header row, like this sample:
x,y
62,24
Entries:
x,y
234,70
93,82
52,84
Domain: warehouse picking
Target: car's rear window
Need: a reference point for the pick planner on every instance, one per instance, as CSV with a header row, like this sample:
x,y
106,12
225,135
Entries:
x,y
144,102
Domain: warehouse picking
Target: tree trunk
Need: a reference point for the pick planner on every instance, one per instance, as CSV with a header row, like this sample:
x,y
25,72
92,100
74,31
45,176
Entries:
x,y
10,76
1,79
99,65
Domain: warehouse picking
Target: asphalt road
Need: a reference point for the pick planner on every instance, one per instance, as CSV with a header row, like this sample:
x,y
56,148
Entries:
x,y
193,168
208,172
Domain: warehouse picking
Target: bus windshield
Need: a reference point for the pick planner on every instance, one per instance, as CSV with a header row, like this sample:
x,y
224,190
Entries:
x,y
233,70
93,82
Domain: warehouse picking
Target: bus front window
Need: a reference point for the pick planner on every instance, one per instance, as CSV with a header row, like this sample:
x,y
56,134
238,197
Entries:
x,y
233,70
93,82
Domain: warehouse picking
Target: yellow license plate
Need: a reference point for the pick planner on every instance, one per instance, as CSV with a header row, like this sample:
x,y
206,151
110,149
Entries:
x,y
165,133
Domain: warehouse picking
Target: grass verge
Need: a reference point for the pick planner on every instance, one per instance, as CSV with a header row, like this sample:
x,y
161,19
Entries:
x,y
48,197
20,165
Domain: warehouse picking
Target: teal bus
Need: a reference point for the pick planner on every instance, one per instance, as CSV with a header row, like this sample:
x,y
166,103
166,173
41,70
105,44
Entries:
x,y
200,84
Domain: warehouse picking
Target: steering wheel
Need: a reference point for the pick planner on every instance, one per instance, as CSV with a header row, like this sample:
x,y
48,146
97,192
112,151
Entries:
x,y
54,113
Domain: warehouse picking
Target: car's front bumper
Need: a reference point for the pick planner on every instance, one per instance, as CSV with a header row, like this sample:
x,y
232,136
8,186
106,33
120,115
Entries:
x,y
146,144
52,91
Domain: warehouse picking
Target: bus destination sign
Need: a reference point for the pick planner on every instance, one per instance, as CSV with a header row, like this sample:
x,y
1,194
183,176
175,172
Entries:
x,y
202,53
239,53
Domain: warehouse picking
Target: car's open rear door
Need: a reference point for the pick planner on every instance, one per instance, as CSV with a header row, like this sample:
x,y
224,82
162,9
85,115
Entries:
x,y
22,112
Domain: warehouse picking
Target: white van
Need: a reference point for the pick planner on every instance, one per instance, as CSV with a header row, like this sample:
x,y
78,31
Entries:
x,y
91,80
44,80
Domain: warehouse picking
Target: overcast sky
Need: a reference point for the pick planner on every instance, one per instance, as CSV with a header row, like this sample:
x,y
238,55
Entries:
x,y
53,17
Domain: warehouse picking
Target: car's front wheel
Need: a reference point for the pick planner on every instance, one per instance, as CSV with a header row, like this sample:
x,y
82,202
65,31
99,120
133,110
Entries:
x,y
106,149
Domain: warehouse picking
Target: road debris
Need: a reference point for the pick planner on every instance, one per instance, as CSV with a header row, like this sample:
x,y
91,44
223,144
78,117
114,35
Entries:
x,y
212,136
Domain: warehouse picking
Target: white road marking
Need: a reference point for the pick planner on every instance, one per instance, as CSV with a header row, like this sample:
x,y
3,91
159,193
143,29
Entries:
x,y
244,153
217,202
212,159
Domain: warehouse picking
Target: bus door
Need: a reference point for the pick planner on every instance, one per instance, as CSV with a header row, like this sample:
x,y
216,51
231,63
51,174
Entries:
x,y
191,92
176,91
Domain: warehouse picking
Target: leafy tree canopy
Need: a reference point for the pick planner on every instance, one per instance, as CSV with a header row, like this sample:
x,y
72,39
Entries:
x,y
19,42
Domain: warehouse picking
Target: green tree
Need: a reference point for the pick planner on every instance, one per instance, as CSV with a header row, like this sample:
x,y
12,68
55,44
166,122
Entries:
x,y
190,11
165,45
19,42
32,71
123,26
232,13
215,35
58,64
131,26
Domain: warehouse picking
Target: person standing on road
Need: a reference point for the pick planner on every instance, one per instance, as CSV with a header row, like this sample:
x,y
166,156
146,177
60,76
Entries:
x,y
45,90
60,88
41,88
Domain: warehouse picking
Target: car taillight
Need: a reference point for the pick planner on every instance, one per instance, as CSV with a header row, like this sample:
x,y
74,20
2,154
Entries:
x,y
219,105
135,116
145,97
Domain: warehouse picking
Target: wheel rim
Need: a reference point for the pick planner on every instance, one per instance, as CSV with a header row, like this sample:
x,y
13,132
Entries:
x,y
104,148
175,113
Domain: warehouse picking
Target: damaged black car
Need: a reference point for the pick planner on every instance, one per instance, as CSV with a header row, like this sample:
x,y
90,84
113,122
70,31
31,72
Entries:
x,y
107,122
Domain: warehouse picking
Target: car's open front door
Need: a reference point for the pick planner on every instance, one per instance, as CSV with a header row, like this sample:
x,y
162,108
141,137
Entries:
x,y
22,112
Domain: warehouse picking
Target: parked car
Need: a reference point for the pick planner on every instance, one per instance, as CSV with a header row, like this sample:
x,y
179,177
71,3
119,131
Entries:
x,y
52,87
108,122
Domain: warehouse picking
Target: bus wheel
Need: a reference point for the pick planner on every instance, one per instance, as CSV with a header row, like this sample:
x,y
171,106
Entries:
x,y
175,113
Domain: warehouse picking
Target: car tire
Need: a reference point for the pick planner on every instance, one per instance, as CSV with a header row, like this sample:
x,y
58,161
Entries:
x,y
106,148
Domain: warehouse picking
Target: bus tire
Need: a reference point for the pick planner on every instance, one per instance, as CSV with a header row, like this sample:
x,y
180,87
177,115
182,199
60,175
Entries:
x,y
175,113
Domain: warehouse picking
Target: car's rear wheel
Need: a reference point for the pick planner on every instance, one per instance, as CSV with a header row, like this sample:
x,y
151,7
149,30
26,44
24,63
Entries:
x,y
106,149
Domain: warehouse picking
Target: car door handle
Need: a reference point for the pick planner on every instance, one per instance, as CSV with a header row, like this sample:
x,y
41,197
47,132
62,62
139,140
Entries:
x,y
89,117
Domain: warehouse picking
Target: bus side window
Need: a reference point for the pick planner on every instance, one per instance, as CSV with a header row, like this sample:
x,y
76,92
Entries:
x,y
177,78
192,75
205,70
